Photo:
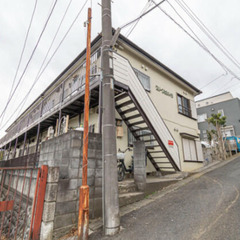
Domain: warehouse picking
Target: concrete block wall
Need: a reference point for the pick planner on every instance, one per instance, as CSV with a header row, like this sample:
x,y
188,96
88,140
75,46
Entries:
x,y
65,152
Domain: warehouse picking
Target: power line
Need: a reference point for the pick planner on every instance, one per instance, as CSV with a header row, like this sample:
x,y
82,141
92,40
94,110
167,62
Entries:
x,y
199,41
206,49
42,71
35,81
21,56
186,24
207,32
135,24
203,45
224,74
223,87
142,15
19,81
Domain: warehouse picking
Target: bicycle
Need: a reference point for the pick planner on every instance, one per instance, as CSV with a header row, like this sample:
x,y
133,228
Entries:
x,y
121,164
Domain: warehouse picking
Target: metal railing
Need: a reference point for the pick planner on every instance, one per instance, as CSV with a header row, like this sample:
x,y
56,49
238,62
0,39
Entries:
x,y
59,96
184,110
22,193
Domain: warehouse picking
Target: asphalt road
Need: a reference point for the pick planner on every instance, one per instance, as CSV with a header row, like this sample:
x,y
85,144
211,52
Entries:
x,y
208,208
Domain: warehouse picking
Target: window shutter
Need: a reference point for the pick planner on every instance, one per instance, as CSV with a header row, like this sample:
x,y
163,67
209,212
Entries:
x,y
193,109
193,150
186,149
199,151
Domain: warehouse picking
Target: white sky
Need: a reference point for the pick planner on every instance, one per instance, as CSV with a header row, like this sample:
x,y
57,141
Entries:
x,y
155,33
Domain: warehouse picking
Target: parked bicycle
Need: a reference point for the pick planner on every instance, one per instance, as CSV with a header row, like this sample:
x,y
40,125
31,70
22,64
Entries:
x,y
121,164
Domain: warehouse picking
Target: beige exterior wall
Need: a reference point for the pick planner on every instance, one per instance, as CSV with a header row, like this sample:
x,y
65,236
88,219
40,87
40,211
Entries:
x,y
167,106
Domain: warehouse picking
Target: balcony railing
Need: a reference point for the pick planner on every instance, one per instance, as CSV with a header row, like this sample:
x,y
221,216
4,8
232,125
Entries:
x,y
60,96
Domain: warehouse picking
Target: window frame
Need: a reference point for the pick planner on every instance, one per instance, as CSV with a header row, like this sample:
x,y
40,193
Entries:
x,y
221,111
184,109
137,72
190,160
198,116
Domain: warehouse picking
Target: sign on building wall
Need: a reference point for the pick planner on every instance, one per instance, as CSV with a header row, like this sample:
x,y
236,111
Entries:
x,y
165,92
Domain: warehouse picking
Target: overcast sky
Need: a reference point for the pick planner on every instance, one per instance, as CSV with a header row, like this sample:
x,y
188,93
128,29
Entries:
x,y
155,33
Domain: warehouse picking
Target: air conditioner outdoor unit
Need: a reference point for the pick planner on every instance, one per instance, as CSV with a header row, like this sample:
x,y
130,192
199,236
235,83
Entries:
x,y
50,133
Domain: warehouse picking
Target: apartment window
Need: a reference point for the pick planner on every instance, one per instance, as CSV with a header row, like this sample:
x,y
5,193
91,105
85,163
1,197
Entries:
x,y
202,117
221,111
144,79
189,149
204,134
184,106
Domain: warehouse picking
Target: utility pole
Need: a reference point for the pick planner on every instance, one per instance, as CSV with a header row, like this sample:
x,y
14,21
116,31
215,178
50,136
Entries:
x,y
83,217
110,181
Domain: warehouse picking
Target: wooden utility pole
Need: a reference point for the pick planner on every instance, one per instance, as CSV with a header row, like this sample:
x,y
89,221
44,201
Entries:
x,y
83,218
110,180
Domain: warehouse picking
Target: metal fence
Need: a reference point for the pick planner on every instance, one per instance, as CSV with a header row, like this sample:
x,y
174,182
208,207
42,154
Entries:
x,y
22,193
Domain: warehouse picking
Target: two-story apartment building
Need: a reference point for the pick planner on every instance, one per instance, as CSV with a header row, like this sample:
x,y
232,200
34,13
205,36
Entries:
x,y
225,104
153,104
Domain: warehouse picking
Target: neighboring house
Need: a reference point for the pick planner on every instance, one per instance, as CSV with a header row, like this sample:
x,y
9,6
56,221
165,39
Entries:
x,y
224,104
153,104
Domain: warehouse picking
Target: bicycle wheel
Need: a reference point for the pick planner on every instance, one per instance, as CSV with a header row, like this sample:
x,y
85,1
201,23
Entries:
x,y
121,172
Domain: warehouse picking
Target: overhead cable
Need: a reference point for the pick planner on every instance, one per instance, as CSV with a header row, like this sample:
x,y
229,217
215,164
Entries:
x,y
135,24
42,71
142,15
46,56
206,49
207,32
21,56
39,38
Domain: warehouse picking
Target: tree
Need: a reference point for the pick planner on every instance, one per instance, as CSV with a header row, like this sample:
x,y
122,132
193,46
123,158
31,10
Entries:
x,y
218,121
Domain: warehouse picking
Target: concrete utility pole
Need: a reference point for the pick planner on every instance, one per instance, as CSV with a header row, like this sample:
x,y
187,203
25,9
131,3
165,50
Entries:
x,y
110,184
83,217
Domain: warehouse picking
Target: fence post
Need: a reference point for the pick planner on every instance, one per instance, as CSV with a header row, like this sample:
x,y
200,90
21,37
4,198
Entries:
x,y
40,203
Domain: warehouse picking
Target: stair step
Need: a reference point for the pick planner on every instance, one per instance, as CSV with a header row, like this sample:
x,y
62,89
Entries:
x,y
129,110
120,97
124,104
145,135
140,129
149,140
136,123
132,117
155,152
166,167
160,157
163,162
126,187
128,198
152,146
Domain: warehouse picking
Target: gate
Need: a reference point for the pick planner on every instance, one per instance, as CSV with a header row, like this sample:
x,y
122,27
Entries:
x,y
22,193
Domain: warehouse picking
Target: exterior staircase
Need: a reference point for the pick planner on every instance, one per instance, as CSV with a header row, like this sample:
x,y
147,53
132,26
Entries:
x,y
142,118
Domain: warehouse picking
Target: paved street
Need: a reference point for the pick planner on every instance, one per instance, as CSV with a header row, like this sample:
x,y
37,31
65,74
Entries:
x,y
207,208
